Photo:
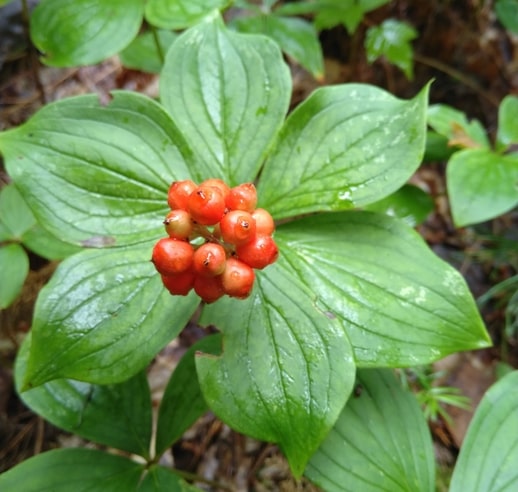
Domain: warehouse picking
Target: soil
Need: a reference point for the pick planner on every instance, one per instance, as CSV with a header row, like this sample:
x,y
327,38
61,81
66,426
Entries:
x,y
473,61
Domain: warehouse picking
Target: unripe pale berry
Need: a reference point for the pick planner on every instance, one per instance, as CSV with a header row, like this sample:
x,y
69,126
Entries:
x,y
179,284
210,289
237,227
206,205
242,197
237,279
264,224
260,252
179,193
209,260
172,256
178,224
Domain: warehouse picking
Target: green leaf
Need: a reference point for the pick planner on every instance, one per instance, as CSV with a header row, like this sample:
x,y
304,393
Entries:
x,y
508,119
160,479
286,369
437,148
183,401
230,93
345,146
334,12
481,185
399,303
102,317
392,39
380,442
44,244
296,37
84,32
489,453
80,470
98,175
14,265
180,14
118,415
143,54
455,126
507,13
14,212
409,203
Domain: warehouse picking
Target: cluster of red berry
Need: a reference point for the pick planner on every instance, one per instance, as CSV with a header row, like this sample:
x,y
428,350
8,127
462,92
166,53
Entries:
x,y
216,237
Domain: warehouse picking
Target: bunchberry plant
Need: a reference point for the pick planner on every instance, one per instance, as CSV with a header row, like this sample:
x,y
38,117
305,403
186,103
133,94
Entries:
x,y
351,294
480,177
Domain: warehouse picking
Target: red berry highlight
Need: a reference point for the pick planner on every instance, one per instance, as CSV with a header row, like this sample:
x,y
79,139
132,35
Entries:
x,y
178,224
265,226
210,289
242,197
237,227
260,252
209,260
179,284
172,256
206,205
237,279
179,193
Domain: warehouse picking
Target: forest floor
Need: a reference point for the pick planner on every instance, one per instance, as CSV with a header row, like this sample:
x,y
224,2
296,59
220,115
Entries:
x,y
473,61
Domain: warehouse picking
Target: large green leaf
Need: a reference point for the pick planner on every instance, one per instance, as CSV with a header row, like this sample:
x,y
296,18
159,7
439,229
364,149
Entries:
x,y
230,93
507,13
399,304
380,442
118,415
286,369
508,118
102,317
488,456
160,479
296,37
179,14
481,185
80,470
84,32
344,146
183,402
14,212
14,265
94,174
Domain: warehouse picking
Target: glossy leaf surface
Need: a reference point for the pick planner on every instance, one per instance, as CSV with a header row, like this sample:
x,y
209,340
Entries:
x,y
15,215
296,37
102,317
80,470
183,402
343,147
97,175
14,265
117,415
399,304
380,442
489,453
84,32
391,39
286,369
180,14
230,93
481,185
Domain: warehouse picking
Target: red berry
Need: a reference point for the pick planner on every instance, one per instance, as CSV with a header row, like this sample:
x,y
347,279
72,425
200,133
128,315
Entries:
x,y
179,193
237,227
263,221
209,289
217,183
260,252
242,197
206,205
179,284
237,279
209,260
172,256
178,224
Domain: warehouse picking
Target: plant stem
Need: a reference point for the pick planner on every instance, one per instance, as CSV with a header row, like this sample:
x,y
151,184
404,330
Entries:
x,y
457,75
